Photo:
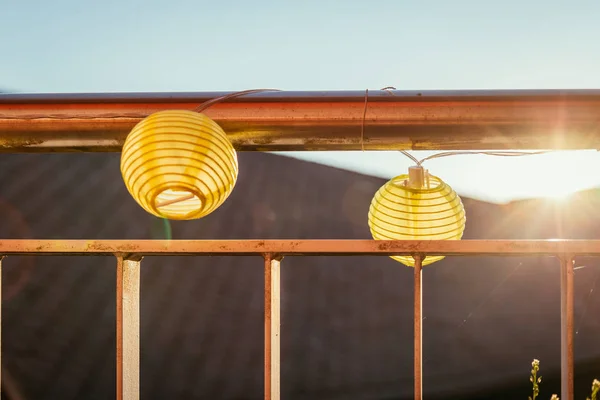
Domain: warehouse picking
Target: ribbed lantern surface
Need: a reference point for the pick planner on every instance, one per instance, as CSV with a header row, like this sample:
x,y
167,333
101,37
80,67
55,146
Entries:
x,y
179,164
431,212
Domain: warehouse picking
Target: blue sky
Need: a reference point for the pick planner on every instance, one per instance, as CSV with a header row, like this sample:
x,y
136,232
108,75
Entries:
x,y
78,46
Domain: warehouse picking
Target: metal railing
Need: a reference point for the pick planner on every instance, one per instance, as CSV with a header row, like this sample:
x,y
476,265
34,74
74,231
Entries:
x,y
301,121
277,121
129,254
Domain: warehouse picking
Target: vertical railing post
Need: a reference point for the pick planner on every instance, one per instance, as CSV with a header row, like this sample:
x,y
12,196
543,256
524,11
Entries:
x,y
418,319
272,365
566,327
128,328
1,257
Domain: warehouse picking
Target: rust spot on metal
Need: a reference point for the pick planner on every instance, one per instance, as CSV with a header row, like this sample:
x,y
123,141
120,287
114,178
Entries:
x,y
131,247
384,246
257,141
97,246
17,142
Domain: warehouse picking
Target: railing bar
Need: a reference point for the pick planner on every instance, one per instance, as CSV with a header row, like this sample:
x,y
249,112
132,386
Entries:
x,y
272,365
303,247
566,328
418,327
128,329
419,120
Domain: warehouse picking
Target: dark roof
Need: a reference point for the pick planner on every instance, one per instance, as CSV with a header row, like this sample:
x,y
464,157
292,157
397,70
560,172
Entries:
x,y
347,321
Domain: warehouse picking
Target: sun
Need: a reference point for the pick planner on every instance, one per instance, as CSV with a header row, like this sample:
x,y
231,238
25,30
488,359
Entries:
x,y
556,175
552,175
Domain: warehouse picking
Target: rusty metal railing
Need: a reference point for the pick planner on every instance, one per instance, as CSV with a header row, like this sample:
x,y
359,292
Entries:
x,y
311,120
129,256
305,121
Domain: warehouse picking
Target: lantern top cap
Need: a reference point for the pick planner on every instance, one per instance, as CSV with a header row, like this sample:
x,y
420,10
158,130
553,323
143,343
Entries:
x,y
432,184
416,177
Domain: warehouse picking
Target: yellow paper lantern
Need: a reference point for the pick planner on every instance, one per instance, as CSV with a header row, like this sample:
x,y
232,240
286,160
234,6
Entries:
x,y
179,164
416,206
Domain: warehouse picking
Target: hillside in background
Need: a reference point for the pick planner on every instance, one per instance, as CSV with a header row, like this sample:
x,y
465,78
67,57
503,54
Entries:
x,y
347,321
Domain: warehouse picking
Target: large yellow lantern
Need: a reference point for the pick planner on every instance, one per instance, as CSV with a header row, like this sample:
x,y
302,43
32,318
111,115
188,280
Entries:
x,y
417,206
179,164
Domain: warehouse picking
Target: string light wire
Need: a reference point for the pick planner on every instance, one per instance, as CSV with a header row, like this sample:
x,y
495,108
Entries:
x,y
216,100
459,153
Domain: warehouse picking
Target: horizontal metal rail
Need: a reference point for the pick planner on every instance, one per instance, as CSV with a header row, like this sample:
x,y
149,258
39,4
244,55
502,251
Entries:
x,y
342,120
300,247
129,254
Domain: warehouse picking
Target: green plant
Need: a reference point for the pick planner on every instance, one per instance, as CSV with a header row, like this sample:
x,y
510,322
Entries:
x,y
595,390
536,380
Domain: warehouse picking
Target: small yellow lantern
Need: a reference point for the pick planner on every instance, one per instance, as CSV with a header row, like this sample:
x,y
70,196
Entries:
x,y
179,164
417,206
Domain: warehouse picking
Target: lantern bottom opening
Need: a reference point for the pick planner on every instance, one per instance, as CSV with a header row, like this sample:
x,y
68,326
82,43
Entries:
x,y
177,204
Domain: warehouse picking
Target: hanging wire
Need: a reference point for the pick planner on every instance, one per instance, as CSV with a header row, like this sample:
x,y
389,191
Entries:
x,y
389,89
216,100
407,154
362,125
460,153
